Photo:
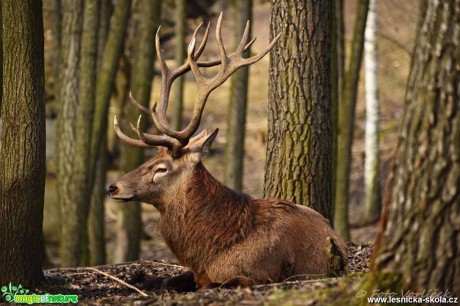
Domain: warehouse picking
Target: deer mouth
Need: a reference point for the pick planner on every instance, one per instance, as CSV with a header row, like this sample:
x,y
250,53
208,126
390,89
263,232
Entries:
x,y
121,199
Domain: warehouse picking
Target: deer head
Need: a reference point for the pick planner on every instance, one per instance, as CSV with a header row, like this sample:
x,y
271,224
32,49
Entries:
x,y
163,176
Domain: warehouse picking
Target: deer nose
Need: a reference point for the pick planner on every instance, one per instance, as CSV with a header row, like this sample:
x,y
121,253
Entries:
x,y
112,190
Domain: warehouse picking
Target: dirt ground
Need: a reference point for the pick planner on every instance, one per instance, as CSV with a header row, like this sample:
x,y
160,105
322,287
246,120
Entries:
x,y
94,286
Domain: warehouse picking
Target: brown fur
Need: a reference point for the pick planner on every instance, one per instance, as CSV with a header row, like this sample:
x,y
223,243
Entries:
x,y
230,238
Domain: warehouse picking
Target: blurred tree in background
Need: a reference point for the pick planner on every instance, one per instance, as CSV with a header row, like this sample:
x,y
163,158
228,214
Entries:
x,y
348,92
96,218
372,204
236,114
70,187
82,94
178,97
129,222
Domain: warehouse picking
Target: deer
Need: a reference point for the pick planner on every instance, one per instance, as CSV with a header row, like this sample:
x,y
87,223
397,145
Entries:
x,y
222,236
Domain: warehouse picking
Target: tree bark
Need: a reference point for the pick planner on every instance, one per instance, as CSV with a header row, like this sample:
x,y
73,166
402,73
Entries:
x,y
79,51
106,75
337,70
1,63
419,236
56,32
71,233
372,149
129,222
236,118
84,122
96,221
299,149
22,148
347,106
96,218
178,102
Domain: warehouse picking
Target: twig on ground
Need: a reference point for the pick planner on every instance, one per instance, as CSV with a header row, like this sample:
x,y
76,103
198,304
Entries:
x,y
119,281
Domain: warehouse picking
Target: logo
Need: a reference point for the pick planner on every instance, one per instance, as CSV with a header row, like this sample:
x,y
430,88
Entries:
x,y
19,295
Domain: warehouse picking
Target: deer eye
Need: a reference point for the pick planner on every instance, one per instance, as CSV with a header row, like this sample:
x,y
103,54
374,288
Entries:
x,y
159,173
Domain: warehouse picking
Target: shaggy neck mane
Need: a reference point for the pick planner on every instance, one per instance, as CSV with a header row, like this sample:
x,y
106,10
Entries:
x,y
218,213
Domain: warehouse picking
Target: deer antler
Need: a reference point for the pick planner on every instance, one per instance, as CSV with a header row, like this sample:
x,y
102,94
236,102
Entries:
x,y
176,140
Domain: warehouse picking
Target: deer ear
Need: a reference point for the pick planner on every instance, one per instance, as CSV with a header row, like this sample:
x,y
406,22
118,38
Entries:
x,y
199,146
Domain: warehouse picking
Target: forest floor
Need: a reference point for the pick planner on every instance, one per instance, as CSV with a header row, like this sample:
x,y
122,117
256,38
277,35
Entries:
x,y
94,287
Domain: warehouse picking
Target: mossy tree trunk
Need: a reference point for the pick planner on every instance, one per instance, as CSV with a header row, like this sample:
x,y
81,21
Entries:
x,y
236,118
22,148
419,236
178,102
129,222
299,153
347,106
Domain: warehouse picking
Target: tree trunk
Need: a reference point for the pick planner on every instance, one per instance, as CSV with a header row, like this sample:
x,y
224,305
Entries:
x,y
129,223
79,50
84,122
96,218
419,236
372,161
106,75
236,118
96,221
299,153
178,104
1,63
347,105
337,71
22,148
71,233
56,32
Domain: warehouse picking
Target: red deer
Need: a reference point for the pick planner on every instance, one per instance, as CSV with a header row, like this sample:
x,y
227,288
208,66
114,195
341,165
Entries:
x,y
223,237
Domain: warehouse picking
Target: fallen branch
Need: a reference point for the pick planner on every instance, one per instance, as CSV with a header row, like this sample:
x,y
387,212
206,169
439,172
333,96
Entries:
x,y
119,281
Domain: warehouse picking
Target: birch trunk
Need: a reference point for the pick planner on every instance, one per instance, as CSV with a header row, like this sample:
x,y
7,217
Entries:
x,y
372,160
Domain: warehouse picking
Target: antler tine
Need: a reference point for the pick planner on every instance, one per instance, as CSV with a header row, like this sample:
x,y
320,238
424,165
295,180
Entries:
x,y
204,41
244,39
142,108
164,68
256,58
216,62
220,45
155,140
127,139
191,60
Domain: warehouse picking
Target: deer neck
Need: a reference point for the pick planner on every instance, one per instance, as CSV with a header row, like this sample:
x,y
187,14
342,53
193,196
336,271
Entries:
x,y
208,216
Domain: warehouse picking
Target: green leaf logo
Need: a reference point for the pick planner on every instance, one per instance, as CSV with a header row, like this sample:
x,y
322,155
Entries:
x,y
10,291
